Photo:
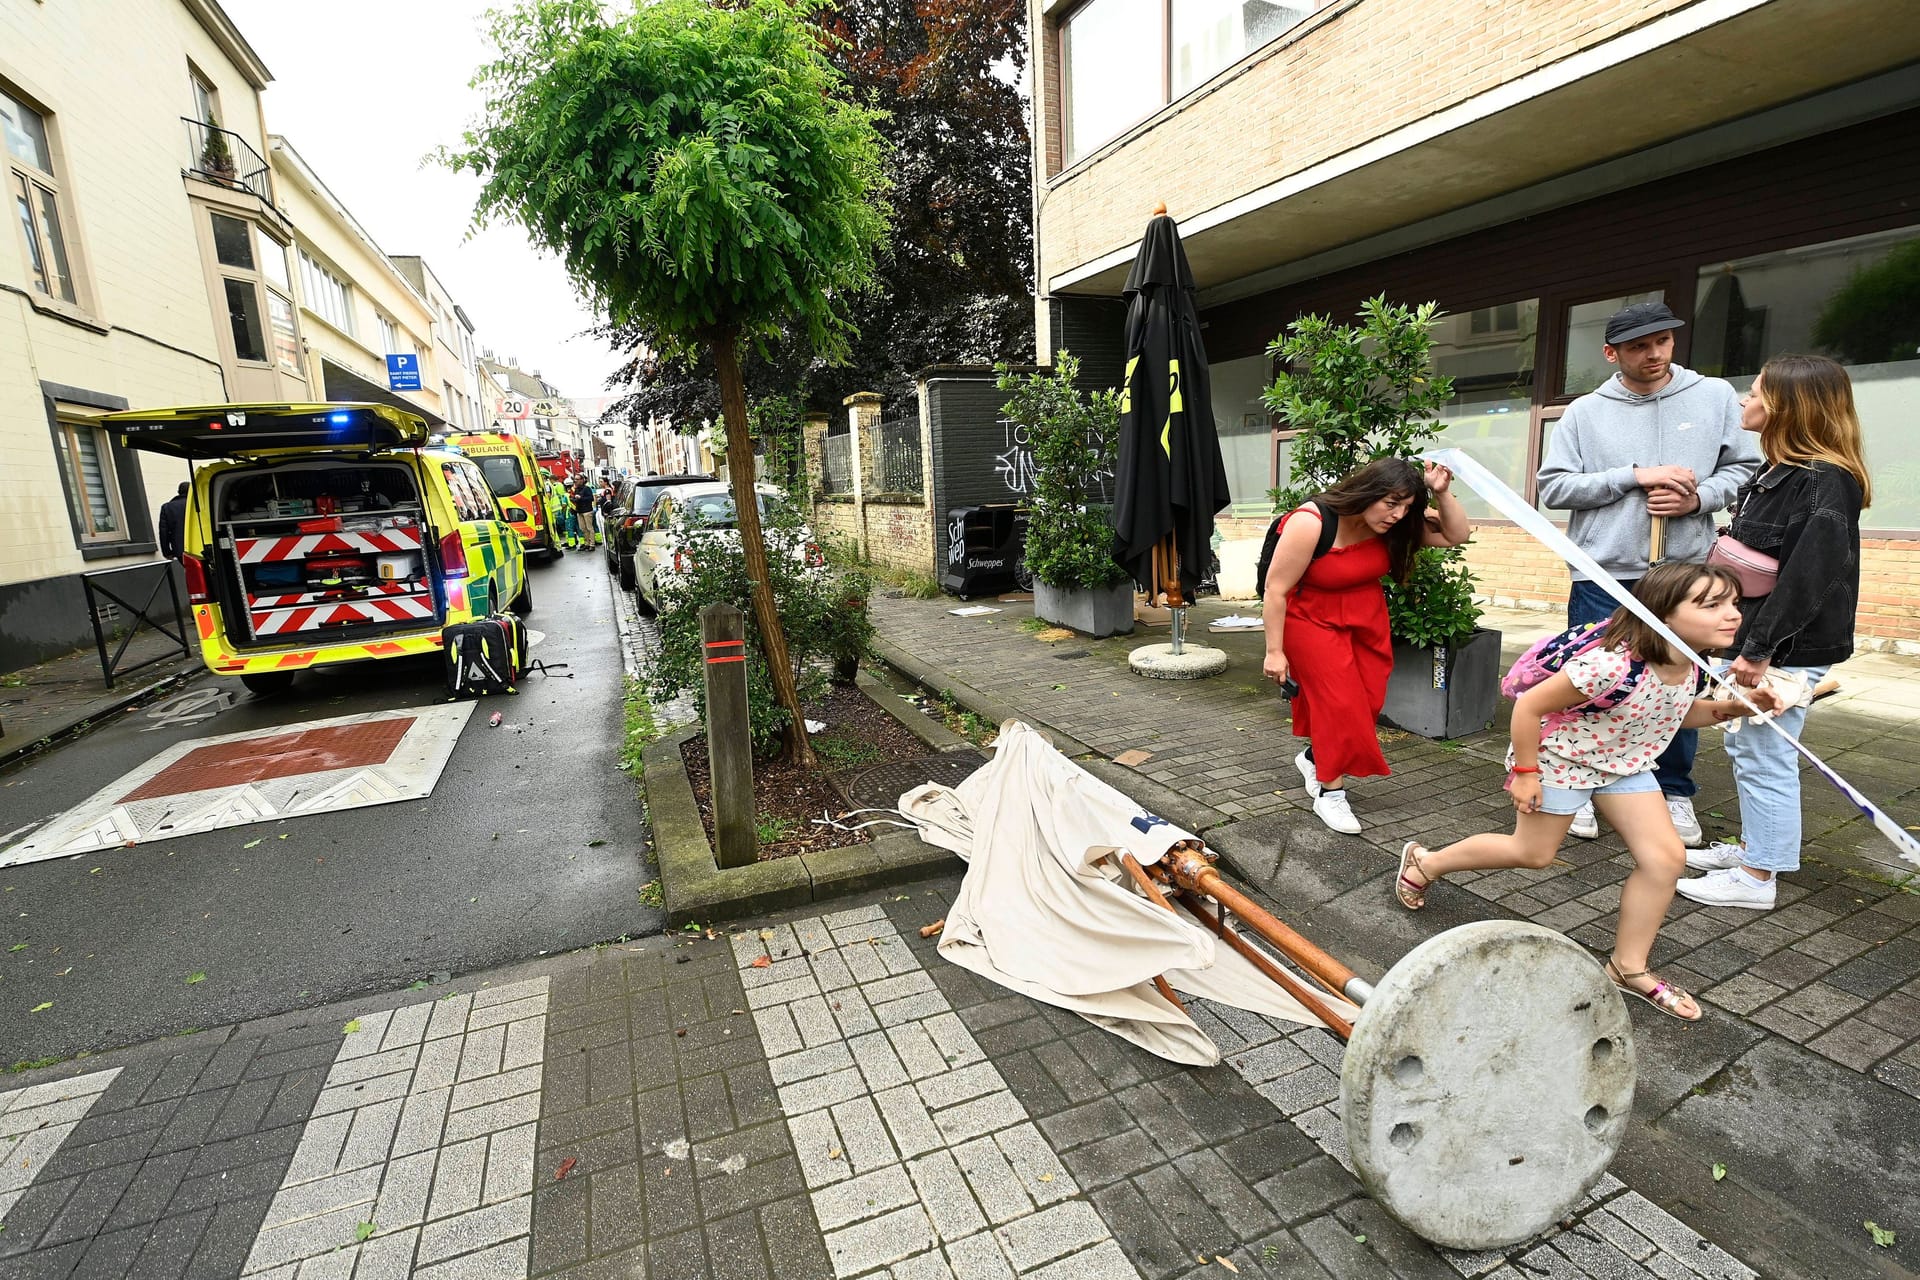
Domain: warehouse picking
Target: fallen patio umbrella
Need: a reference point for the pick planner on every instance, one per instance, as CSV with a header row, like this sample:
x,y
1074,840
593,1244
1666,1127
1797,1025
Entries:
x,y
1488,1075
1171,480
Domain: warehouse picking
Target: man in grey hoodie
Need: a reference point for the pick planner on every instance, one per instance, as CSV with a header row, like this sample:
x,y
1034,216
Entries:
x,y
1653,441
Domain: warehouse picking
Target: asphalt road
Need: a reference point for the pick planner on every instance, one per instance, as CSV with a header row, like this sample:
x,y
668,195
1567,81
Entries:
x,y
499,864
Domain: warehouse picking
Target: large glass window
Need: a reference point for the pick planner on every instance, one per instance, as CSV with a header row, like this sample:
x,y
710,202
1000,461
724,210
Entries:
x,y
243,312
1586,363
1120,57
1489,353
1246,431
1857,300
327,295
35,195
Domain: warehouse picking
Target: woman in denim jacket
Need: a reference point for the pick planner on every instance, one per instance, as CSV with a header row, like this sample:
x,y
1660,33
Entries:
x,y
1804,509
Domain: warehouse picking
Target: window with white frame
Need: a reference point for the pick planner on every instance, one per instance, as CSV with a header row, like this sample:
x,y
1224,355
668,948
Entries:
x,y
93,488
327,294
206,99
389,334
1122,60
34,192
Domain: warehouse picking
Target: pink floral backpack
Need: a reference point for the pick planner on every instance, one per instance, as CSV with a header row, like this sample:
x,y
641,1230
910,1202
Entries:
x,y
1546,656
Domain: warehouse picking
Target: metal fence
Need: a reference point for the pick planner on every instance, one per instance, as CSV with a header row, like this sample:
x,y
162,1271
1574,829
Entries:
x,y
902,465
838,460
224,157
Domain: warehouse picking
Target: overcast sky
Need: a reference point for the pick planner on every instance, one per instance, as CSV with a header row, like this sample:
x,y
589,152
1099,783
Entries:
x,y
364,89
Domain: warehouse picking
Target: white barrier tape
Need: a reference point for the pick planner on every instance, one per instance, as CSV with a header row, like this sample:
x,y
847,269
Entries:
x,y
1515,508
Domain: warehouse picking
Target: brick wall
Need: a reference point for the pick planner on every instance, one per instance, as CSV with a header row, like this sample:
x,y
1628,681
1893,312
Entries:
x,y
886,529
1513,569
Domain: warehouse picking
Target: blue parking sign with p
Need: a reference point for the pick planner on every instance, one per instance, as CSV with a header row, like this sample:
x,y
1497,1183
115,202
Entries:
x,y
403,372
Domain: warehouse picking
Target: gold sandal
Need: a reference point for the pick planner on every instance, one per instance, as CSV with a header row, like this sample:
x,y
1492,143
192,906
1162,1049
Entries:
x,y
1663,995
1412,894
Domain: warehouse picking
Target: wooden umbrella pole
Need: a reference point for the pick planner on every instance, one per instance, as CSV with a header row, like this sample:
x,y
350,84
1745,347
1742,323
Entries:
x,y
1314,1001
1189,869
1131,865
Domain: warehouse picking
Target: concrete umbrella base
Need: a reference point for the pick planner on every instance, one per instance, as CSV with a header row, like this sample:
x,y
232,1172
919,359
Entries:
x,y
1160,662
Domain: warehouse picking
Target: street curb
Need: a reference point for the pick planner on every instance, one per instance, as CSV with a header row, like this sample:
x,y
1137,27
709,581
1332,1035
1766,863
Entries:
x,y
72,729
930,732
972,699
696,889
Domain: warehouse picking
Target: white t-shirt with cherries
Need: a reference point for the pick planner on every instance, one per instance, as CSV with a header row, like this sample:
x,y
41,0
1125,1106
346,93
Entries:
x,y
1589,749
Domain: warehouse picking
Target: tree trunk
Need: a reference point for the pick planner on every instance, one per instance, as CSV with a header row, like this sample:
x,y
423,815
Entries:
x,y
733,408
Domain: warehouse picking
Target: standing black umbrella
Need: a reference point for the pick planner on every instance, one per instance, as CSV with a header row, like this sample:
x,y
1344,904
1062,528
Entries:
x,y
1171,479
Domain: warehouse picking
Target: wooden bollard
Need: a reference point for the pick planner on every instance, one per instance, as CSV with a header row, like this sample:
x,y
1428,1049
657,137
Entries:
x,y
729,736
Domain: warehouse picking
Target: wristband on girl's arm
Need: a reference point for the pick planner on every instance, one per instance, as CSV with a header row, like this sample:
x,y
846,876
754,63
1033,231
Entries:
x,y
1520,768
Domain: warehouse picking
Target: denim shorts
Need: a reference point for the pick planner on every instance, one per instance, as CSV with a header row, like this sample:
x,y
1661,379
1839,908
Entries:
x,y
1568,800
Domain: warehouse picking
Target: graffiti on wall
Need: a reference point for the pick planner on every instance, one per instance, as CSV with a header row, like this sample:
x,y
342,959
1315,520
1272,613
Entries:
x,y
1014,465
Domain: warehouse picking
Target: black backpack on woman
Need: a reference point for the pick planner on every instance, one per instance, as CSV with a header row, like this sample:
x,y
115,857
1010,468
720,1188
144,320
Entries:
x,y
1329,529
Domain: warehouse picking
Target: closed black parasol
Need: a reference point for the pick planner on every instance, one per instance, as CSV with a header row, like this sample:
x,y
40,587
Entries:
x,y
1171,480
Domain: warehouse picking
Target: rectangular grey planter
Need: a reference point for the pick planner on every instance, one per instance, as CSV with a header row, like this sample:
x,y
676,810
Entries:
x,y
1444,693
1105,611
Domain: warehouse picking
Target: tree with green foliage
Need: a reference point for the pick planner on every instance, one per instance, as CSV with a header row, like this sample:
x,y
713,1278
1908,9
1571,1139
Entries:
x,y
1073,436
1366,391
702,174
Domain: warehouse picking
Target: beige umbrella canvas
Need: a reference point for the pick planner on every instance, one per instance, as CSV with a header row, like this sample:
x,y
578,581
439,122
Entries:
x,y
1044,911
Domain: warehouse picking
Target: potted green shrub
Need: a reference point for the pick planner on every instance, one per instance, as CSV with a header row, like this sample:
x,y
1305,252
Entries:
x,y
216,156
1076,581
1366,391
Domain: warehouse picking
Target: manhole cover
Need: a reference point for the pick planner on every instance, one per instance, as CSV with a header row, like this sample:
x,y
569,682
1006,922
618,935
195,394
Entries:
x,y
880,786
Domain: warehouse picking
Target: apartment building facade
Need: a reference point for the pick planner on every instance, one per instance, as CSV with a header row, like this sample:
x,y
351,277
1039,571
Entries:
x,y
454,353
356,308
1531,165
145,263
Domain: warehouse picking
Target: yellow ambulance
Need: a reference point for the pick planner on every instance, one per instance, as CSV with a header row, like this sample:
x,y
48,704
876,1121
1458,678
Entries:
x,y
513,475
320,534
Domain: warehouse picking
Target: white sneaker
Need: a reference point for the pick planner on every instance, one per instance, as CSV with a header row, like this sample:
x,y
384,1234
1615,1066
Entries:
x,y
1684,822
1305,766
1331,808
1717,856
1586,823
1729,888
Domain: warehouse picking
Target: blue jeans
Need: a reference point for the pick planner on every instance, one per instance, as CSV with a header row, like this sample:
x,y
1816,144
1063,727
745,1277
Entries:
x,y
1567,801
1673,768
1766,771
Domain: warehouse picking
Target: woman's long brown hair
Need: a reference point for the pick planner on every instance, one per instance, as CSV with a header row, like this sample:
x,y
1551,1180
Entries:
x,y
1664,588
1386,478
1811,418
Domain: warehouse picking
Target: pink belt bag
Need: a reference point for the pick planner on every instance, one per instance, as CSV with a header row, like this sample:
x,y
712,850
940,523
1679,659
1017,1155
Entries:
x,y
1756,570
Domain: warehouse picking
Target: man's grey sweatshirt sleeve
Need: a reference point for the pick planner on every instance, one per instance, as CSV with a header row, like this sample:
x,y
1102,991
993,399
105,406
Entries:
x,y
1566,485
1738,463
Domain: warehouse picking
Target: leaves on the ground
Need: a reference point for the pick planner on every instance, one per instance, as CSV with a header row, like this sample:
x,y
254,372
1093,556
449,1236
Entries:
x,y
1882,1236
1046,1177
42,1007
834,1154
94,872
351,1027
566,1167
766,935
1229,1266
196,978
249,844
595,844
19,946
762,962
418,986
1719,1171
1361,1239
363,1230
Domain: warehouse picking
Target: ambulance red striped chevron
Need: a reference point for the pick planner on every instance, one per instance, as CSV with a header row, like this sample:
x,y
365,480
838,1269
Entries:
x,y
273,622
300,546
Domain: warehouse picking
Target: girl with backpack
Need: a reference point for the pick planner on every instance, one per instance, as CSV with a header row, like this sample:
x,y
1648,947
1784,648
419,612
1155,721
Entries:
x,y
1601,704
1328,646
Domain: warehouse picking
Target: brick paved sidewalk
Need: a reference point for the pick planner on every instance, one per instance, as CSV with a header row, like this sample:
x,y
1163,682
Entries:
x,y
820,1098
1833,968
55,697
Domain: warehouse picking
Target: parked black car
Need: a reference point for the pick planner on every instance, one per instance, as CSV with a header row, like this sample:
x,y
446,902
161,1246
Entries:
x,y
632,504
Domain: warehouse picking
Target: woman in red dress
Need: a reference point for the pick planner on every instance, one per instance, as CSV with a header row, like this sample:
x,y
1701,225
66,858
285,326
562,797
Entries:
x,y
1326,615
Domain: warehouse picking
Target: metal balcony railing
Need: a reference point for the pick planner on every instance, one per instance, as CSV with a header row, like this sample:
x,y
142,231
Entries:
x,y
223,156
